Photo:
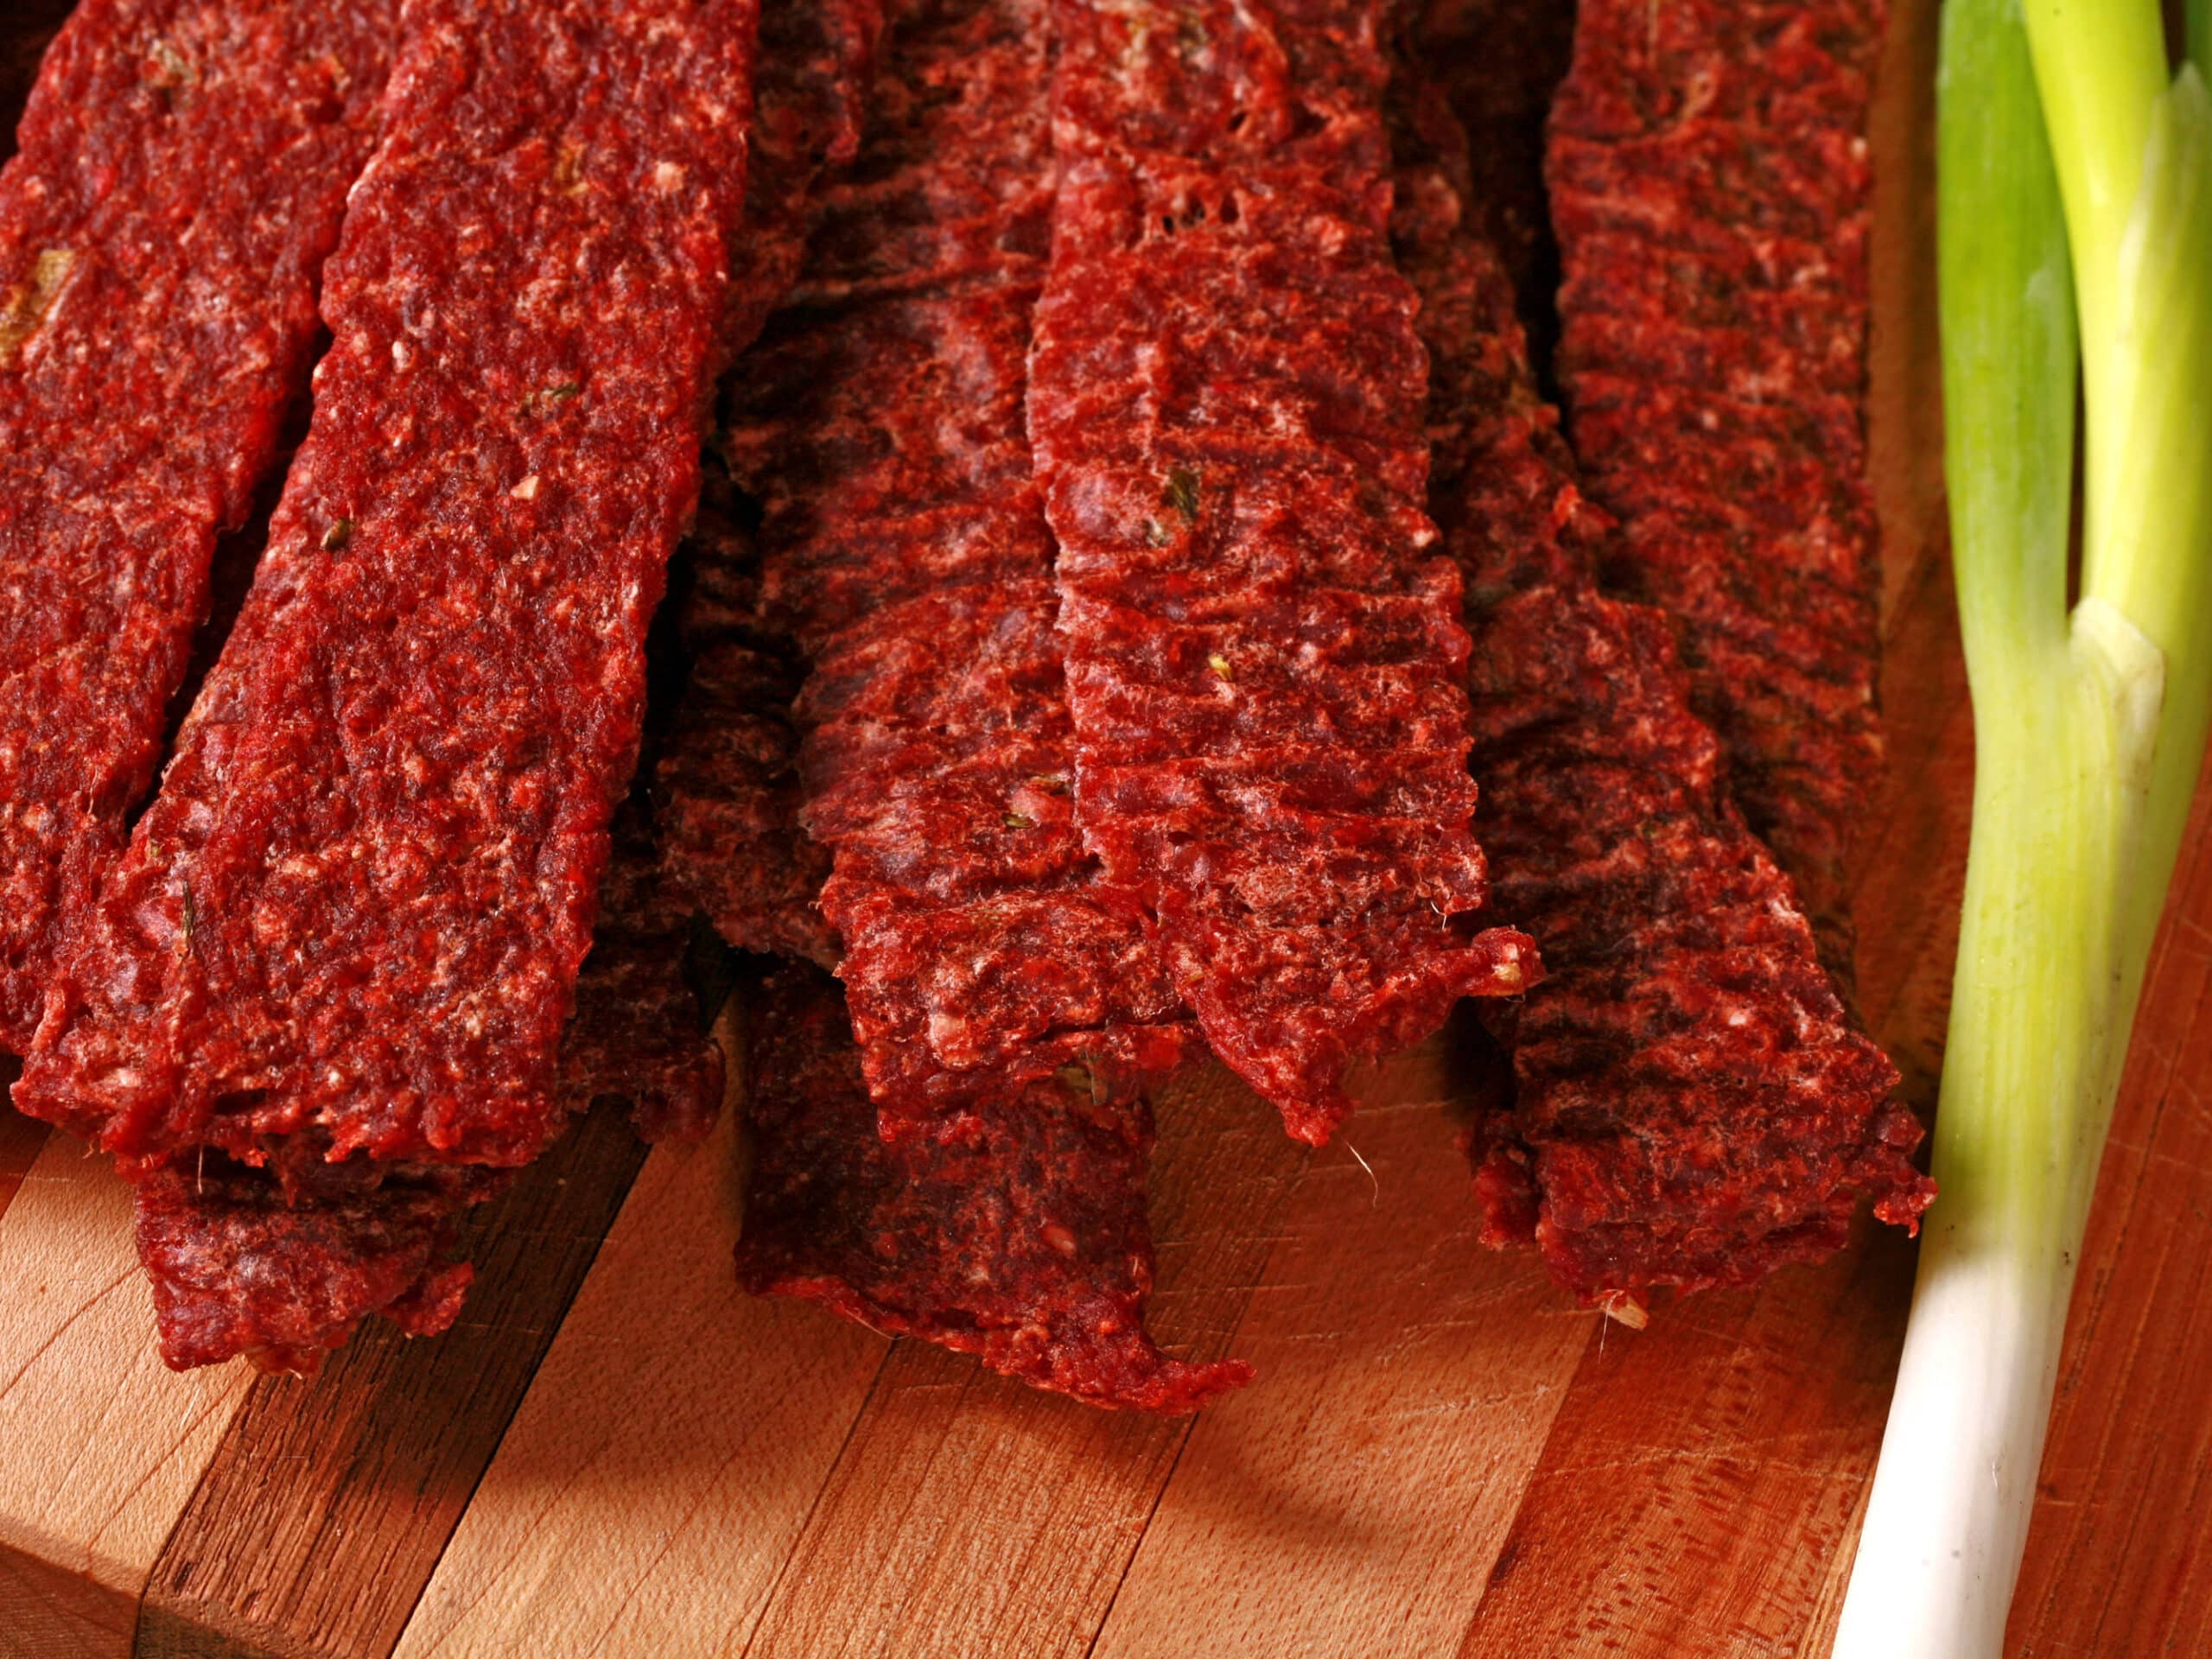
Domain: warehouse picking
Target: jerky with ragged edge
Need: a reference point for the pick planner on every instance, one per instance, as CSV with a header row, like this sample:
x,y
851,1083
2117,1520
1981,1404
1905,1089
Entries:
x,y
362,895
1019,1233
908,1236
1019,1236
241,1267
1694,1106
181,173
727,776
879,425
280,1264
1710,177
1265,656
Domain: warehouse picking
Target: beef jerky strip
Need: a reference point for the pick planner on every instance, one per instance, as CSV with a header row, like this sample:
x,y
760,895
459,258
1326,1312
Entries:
x,y
1019,1236
1500,61
181,174
1692,1105
280,1264
362,897
726,777
1710,179
879,424
241,1265
1266,665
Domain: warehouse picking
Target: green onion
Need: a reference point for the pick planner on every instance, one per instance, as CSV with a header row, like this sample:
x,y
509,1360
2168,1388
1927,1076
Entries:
x,y
2074,202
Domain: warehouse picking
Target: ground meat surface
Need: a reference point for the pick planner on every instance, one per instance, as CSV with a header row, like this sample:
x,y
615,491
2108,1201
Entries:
x,y
182,171
362,897
1265,659
1710,179
1693,1103
879,426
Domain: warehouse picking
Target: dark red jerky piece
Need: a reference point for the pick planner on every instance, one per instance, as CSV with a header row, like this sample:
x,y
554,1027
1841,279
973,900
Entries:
x,y
281,1263
239,1269
363,898
1263,653
726,782
1499,62
961,82
817,64
727,779
1710,180
881,426
1692,1105
142,392
638,1033
1018,1236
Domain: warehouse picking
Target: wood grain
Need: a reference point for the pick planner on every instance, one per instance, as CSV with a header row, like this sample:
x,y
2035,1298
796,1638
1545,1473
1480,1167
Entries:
x,y
970,1515
1408,1379
103,1444
374,1460
667,1456
2114,1561
20,1140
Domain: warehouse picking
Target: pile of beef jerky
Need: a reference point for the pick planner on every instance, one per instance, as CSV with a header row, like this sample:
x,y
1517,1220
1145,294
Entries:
x,y
1128,527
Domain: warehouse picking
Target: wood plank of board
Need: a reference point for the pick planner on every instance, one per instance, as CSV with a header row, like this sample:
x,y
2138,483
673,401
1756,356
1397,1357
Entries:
x,y
20,1140
713,1473
668,1452
1352,1502
104,1444
327,1503
969,1515
2115,1557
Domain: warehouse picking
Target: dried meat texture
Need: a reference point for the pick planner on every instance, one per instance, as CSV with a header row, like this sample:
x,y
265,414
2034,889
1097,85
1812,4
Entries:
x,y
1692,1105
242,1267
1021,1237
361,899
181,174
279,1264
1019,1233
1266,663
879,426
1500,62
726,782
1710,176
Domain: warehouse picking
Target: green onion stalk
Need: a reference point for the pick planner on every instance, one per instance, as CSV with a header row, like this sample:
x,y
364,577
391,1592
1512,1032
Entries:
x,y
2075,254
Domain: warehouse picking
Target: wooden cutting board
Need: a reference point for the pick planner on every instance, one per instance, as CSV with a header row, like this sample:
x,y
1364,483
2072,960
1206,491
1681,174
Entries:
x,y
617,1453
